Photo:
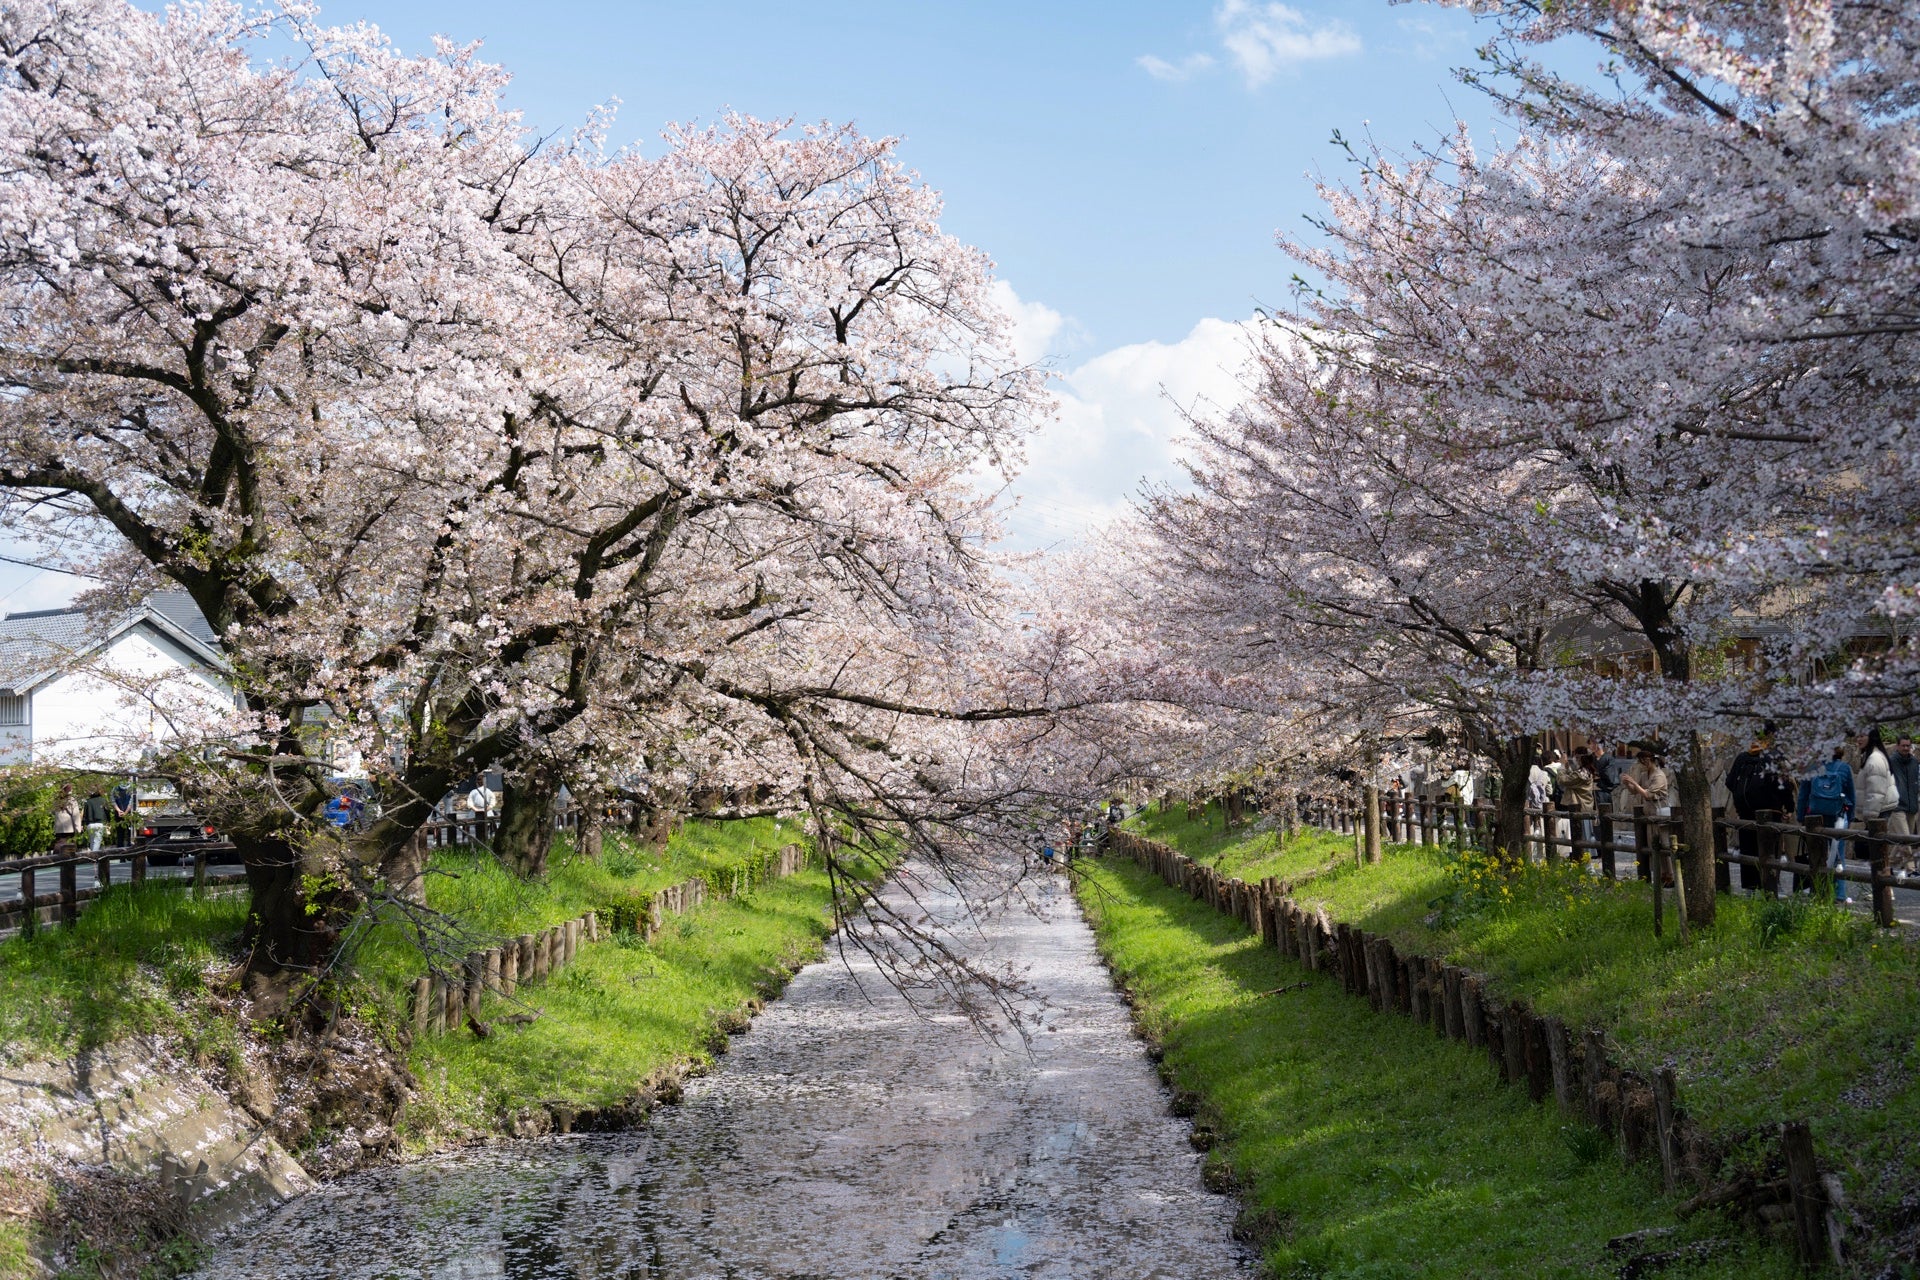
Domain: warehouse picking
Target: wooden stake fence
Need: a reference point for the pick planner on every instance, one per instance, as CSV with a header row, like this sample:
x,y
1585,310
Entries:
x,y
1644,1115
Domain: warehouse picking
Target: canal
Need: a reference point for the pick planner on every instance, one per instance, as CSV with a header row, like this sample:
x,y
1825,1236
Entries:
x,y
844,1136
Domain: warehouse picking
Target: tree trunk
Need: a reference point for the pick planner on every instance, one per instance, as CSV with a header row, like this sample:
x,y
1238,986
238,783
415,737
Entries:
x,y
1694,807
1370,822
1515,756
526,827
1692,793
288,934
590,836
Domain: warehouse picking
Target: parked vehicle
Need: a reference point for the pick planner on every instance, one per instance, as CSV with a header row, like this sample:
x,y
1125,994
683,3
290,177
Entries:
x,y
167,836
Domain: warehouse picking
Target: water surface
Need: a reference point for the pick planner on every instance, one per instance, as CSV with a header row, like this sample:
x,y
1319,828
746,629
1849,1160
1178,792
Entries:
x,y
844,1136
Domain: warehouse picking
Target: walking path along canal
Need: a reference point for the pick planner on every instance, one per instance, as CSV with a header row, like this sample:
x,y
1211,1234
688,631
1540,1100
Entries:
x,y
844,1136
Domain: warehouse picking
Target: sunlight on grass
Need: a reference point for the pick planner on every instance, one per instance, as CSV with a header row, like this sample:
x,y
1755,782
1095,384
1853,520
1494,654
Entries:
x,y
1365,1146
1783,1010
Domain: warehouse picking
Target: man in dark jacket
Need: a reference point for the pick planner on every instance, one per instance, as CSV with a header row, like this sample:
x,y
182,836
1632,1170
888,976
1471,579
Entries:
x,y
1758,782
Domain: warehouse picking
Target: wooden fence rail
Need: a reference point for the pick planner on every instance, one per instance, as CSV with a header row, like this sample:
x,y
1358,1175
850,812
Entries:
x,y
1654,841
1642,1111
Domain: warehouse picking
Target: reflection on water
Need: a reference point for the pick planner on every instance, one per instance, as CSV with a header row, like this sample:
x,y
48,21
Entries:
x,y
843,1137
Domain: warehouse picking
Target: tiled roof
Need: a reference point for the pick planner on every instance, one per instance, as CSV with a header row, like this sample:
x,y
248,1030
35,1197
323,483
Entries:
x,y
36,645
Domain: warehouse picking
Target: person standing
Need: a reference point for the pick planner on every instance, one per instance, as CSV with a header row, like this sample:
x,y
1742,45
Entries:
x,y
1826,801
1577,795
1905,819
1757,783
1610,769
67,820
125,804
97,813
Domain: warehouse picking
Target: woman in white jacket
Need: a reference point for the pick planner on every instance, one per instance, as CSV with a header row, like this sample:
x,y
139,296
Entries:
x,y
1875,795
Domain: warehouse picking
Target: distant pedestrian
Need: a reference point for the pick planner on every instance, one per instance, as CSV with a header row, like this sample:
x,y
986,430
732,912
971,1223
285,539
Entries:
x,y
126,803
97,813
1879,795
1905,819
1758,783
1611,767
1826,800
1577,791
67,820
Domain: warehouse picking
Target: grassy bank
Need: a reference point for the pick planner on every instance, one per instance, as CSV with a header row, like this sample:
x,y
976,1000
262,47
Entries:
x,y
1783,1010
155,961
1363,1145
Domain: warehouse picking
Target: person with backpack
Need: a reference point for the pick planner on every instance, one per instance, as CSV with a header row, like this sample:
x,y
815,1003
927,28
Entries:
x,y
1826,802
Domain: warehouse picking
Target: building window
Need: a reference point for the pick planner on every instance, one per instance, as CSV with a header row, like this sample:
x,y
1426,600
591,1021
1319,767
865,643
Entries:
x,y
13,709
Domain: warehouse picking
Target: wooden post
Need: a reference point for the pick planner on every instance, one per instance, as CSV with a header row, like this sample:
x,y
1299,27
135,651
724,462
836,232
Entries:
x,y
422,1008
1609,857
69,893
510,967
1455,1025
1643,843
1722,869
529,959
1513,1044
139,868
1560,1061
436,1006
476,983
492,971
593,926
1879,854
1473,1012
1663,1128
103,873
1594,1071
29,914
1809,1194
1768,845
200,874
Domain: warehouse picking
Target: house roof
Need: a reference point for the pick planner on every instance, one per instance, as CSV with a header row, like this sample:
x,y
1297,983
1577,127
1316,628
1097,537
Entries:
x,y
38,645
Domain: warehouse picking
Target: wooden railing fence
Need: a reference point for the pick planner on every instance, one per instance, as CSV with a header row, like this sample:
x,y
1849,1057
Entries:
x,y
1651,839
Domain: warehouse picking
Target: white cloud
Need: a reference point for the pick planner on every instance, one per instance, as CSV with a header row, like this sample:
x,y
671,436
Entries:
x,y
1261,40
1119,422
1264,38
1036,325
1185,69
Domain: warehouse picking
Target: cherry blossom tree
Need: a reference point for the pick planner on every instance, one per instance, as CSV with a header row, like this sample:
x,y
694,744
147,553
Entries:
x,y
484,451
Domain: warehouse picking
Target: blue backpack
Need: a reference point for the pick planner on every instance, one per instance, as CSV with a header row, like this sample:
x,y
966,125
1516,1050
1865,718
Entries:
x,y
1828,795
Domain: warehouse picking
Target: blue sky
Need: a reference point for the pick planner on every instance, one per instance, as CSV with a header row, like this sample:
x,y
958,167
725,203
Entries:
x,y
1126,164
1132,204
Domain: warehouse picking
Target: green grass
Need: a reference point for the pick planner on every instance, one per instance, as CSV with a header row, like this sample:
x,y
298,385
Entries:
x,y
1780,1011
1364,1146
139,961
622,1009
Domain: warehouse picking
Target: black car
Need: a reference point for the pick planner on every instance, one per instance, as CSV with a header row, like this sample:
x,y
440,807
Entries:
x,y
165,837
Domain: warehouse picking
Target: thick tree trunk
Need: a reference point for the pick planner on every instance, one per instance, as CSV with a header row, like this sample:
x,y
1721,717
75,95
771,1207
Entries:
x,y
1370,822
1515,756
288,935
1693,805
1692,801
526,827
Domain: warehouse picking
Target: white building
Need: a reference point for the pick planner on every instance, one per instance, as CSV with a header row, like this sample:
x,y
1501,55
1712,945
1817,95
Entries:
x,y
82,690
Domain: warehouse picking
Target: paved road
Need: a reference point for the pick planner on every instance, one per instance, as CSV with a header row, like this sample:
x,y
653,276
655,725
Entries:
x,y
843,1137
